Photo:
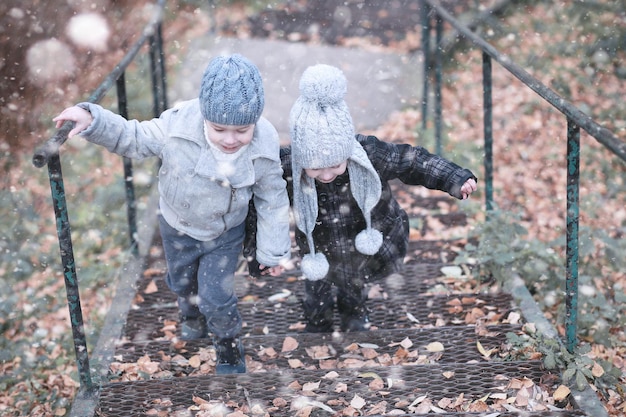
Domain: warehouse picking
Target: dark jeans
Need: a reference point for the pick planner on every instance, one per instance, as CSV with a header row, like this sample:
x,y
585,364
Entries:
x,y
202,275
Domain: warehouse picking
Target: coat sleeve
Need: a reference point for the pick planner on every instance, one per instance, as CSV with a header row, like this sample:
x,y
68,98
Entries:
x,y
271,208
414,165
130,138
250,242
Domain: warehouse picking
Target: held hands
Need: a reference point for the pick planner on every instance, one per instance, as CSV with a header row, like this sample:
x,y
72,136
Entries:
x,y
468,188
75,114
274,271
257,270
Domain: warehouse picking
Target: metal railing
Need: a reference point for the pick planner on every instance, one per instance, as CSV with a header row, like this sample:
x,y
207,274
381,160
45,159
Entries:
x,y
576,120
48,154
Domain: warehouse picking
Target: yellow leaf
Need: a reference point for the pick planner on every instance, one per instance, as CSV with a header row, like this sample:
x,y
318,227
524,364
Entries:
x,y
369,375
194,361
481,349
561,393
435,347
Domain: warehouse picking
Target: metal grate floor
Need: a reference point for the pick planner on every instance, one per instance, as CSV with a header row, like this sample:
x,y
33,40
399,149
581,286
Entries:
x,y
404,312
284,392
426,346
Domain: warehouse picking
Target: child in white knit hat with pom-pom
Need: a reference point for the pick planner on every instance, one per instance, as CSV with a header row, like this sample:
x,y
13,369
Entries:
x,y
350,229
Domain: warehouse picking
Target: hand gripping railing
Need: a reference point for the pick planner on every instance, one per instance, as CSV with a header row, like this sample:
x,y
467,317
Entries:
x,y
48,154
575,121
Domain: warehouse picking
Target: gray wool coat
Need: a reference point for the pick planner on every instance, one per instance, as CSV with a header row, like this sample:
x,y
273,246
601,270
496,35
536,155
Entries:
x,y
197,198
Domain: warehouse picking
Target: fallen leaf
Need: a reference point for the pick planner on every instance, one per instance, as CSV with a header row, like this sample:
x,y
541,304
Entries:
x,y
597,371
195,361
406,343
352,347
452,271
357,402
151,288
311,386
483,351
295,363
376,384
341,387
279,402
514,317
369,345
289,344
281,296
411,317
369,375
561,393
435,347
295,385
153,272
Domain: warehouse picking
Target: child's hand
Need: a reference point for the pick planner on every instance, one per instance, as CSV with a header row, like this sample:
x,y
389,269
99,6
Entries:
x,y
257,270
75,114
468,188
274,271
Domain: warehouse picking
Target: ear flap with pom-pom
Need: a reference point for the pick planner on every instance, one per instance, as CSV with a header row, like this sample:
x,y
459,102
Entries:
x,y
368,241
314,266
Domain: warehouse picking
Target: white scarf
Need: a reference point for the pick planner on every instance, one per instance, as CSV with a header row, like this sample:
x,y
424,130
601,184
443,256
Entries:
x,y
224,160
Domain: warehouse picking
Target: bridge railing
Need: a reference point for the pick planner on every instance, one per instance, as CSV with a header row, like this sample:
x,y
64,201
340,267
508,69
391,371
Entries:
x,y
48,154
575,121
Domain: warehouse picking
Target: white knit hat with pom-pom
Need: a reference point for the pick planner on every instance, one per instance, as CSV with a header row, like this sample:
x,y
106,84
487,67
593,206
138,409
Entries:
x,y
322,136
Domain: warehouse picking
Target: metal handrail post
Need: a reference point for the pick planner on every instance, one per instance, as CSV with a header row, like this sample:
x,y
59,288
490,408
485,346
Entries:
x,y
426,51
157,71
131,202
488,131
69,270
571,250
438,83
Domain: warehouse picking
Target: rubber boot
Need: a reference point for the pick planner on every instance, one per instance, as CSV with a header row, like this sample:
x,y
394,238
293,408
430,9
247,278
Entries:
x,y
354,318
319,319
192,328
230,356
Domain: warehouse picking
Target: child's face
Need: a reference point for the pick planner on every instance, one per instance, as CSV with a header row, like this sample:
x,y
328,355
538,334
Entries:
x,y
229,138
327,175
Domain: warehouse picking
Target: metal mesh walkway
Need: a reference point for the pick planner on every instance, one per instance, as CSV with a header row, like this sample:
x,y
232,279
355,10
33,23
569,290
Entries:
x,y
433,349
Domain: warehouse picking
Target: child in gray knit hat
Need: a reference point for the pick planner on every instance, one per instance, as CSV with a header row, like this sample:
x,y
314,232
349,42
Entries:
x,y
217,154
349,227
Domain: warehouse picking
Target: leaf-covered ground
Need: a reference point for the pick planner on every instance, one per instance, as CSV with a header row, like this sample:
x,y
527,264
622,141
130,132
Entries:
x,y
38,372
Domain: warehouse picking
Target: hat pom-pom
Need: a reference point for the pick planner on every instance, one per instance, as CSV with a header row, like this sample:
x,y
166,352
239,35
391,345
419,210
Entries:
x,y
324,84
368,241
314,266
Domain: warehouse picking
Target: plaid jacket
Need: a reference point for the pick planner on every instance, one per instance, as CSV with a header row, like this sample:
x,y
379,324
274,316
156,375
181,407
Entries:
x,y
340,219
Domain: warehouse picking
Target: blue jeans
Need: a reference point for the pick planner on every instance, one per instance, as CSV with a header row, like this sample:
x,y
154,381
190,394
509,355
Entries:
x,y
202,275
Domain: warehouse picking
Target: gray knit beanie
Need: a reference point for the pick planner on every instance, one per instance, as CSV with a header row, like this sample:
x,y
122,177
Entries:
x,y
231,92
322,136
